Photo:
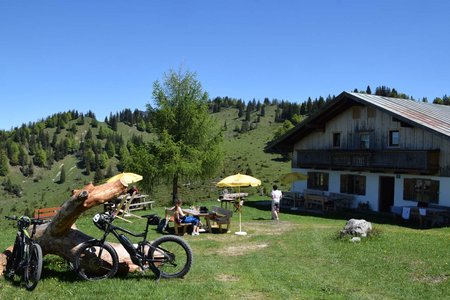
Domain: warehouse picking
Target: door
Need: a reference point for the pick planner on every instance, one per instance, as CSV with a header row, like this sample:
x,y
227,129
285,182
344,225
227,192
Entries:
x,y
386,193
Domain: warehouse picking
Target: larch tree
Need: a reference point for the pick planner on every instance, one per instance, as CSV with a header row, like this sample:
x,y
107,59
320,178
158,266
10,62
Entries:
x,y
188,143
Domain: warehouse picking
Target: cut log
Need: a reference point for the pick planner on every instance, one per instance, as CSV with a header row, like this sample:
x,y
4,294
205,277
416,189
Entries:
x,y
62,238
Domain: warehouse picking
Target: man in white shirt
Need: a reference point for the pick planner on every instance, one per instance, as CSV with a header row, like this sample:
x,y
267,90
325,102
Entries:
x,y
276,198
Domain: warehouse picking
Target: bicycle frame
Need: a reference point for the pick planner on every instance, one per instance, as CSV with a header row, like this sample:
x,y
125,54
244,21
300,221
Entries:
x,y
167,256
26,253
24,239
137,254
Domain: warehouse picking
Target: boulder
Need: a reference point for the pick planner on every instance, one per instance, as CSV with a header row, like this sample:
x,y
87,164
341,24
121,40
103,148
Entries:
x,y
357,227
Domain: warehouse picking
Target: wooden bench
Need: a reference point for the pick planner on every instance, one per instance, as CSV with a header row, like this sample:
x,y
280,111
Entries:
x,y
341,201
46,213
139,202
321,201
292,200
220,216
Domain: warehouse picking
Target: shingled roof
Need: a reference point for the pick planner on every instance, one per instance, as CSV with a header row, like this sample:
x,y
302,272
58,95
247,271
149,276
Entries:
x,y
434,118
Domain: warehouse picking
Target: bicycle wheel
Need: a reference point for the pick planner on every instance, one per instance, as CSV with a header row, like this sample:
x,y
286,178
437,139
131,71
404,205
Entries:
x,y
33,267
170,256
13,260
96,261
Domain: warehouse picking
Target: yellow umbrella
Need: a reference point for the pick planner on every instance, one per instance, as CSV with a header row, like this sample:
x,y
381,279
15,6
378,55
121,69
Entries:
x,y
126,178
289,178
239,180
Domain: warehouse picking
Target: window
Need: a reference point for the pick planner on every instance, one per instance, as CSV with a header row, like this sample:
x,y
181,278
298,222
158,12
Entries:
x,y
356,112
394,138
337,140
318,181
364,140
371,112
421,190
353,184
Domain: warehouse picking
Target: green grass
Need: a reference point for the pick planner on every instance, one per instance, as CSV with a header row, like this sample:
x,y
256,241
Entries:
x,y
300,257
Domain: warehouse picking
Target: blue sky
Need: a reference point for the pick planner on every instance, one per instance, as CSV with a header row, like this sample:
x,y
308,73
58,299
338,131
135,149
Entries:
x,y
104,56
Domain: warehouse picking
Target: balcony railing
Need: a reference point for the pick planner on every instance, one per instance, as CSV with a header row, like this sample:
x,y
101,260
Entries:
x,y
404,161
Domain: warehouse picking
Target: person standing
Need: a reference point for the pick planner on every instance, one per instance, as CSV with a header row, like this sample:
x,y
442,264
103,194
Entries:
x,y
276,198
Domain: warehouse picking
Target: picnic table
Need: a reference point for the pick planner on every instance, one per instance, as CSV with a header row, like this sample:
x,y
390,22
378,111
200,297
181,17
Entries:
x,y
197,213
423,215
232,199
332,201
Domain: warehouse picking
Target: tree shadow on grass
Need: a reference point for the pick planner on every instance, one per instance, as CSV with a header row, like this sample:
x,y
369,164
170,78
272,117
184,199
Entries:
x,y
57,267
344,215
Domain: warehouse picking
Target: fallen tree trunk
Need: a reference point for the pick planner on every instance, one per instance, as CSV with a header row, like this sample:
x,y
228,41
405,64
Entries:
x,y
60,237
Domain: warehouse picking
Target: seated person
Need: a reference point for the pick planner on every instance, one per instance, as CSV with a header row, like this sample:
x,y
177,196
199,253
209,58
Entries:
x,y
133,190
180,217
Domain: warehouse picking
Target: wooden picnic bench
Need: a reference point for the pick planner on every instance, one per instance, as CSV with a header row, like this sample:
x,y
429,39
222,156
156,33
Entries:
x,y
425,216
321,201
140,203
332,201
341,201
219,216
46,213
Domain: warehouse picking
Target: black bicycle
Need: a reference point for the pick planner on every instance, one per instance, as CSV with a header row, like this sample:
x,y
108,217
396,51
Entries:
x,y
167,256
26,257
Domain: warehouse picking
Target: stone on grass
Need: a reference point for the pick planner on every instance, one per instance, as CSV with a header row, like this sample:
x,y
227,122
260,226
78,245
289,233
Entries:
x,y
357,228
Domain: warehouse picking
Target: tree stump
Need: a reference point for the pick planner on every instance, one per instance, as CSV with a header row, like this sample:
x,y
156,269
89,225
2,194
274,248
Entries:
x,y
60,237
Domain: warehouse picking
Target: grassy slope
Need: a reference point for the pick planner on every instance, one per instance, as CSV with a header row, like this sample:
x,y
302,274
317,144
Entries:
x,y
243,151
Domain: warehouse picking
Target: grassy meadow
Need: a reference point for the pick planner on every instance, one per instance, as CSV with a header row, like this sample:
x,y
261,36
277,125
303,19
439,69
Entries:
x,y
300,257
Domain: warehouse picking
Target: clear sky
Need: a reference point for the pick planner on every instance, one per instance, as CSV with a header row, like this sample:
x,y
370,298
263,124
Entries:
x,y
104,55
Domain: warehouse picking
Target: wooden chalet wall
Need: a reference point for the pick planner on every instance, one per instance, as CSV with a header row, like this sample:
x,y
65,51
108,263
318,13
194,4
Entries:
x,y
378,124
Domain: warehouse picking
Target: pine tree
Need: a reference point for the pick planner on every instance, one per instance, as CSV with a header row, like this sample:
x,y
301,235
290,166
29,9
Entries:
x,y
110,148
98,175
4,165
189,142
263,111
62,175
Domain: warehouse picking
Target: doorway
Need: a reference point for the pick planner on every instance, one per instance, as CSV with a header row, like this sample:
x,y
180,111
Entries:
x,y
386,193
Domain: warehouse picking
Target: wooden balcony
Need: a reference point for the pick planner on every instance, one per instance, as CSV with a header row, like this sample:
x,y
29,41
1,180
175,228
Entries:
x,y
396,161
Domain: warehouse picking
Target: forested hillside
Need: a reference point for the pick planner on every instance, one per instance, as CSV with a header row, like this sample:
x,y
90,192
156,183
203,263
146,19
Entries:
x,y
41,162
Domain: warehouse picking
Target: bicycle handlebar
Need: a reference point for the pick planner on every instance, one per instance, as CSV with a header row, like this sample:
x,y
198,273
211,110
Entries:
x,y
32,220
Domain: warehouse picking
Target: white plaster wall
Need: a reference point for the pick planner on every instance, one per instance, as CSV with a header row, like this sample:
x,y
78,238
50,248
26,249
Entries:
x,y
334,185
444,191
372,187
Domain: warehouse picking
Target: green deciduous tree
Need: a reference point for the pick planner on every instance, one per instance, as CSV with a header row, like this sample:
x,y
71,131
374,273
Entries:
x,y
287,125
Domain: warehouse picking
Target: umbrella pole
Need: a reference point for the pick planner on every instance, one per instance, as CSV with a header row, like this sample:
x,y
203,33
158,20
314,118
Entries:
x,y
240,232
295,207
